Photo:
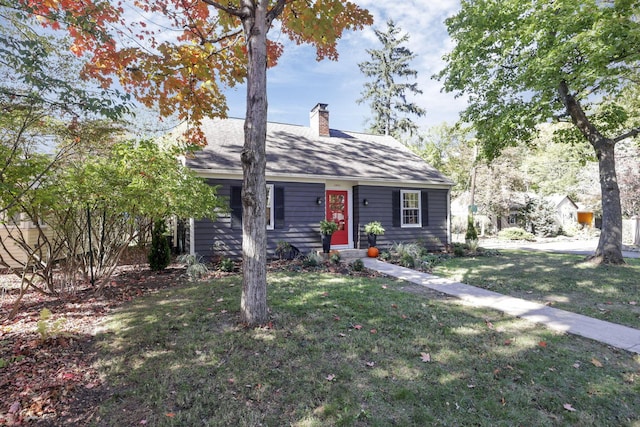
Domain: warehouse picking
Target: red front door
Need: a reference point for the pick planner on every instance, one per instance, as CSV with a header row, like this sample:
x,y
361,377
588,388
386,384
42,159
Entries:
x,y
338,212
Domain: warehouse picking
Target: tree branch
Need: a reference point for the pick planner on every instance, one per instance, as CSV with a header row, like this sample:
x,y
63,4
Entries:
x,y
230,10
275,11
630,134
578,115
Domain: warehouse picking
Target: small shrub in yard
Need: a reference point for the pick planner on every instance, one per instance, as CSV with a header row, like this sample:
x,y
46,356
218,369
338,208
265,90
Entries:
x,y
412,249
334,258
407,261
357,265
459,249
313,259
515,234
384,255
196,269
429,261
226,265
46,328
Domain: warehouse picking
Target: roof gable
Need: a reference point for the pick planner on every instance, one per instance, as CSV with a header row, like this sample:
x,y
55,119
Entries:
x,y
295,151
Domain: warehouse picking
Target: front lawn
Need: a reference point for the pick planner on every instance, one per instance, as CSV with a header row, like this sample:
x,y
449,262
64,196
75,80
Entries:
x,y
563,281
350,351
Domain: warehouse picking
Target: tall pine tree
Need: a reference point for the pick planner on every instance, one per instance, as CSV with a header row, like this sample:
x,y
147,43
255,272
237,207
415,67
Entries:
x,y
392,79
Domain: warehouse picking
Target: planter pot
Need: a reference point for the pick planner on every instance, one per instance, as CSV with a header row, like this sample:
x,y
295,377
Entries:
x,y
326,243
371,238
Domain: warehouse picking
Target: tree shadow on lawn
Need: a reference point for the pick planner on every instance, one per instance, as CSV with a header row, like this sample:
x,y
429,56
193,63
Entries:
x,y
350,351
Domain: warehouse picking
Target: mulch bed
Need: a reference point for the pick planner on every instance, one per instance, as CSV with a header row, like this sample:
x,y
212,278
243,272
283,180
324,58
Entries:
x,y
48,380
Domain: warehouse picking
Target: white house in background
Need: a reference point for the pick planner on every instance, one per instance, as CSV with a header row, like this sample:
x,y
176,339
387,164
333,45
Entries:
x,y
566,212
566,209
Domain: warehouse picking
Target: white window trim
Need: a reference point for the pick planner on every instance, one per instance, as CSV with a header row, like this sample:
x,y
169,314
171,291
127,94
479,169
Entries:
x,y
271,205
402,224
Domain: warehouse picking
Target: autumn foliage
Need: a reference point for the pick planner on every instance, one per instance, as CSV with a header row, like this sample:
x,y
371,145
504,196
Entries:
x,y
178,55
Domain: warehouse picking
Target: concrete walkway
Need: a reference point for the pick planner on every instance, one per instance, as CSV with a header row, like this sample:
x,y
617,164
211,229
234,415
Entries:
x,y
606,332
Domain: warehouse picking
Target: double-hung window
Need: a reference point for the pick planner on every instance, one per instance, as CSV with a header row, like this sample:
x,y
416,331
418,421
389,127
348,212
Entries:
x,y
410,208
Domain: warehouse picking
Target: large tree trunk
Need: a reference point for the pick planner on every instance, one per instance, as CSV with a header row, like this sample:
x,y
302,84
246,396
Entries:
x,y
609,250
253,303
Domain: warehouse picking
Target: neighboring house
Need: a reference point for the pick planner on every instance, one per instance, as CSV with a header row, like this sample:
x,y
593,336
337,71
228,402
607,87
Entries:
x,y
566,210
314,173
19,229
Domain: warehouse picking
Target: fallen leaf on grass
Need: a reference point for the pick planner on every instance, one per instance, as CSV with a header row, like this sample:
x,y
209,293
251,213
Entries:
x,y
384,286
394,305
576,365
336,318
425,357
595,362
542,344
489,324
170,414
330,377
374,331
568,407
632,303
370,364
507,342
357,327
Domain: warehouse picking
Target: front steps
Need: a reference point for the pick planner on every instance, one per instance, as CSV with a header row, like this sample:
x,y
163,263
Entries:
x,y
347,255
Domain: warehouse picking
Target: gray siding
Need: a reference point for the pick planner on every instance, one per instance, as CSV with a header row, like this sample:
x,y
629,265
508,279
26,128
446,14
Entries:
x,y
381,207
302,216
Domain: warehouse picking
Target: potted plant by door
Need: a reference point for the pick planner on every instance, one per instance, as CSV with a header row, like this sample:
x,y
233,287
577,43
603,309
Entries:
x,y
373,229
327,228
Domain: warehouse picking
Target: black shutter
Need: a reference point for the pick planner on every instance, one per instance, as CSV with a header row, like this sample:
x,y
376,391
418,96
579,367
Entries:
x,y
278,206
395,207
236,207
424,202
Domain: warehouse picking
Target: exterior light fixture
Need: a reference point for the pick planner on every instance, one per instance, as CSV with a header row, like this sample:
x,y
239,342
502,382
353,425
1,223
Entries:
x,y
319,201
365,202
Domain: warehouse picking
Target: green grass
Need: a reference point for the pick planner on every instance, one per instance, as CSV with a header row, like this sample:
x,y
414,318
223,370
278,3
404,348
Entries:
x,y
563,281
346,351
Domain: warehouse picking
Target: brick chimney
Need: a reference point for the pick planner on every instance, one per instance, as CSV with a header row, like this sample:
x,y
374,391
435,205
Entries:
x,y
319,118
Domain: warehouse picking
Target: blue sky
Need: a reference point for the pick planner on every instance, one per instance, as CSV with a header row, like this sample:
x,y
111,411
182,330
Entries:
x,y
299,82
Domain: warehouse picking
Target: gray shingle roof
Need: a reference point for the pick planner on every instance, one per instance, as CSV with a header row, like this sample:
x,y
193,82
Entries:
x,y
295,151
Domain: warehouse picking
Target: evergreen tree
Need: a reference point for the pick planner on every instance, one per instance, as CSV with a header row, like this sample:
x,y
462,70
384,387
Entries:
x,y
160,254
387,96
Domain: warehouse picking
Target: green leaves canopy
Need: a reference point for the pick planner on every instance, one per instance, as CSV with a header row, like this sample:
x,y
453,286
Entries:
x,y
140,179
511,57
